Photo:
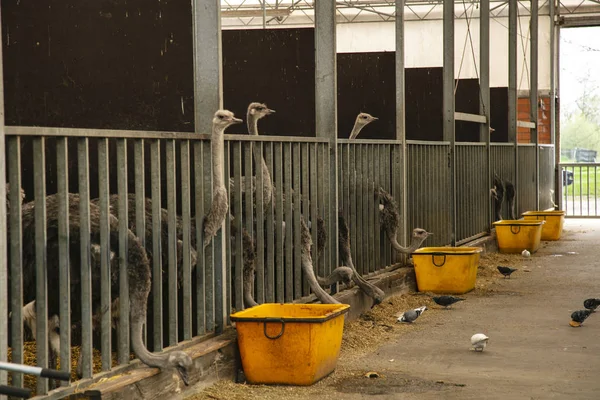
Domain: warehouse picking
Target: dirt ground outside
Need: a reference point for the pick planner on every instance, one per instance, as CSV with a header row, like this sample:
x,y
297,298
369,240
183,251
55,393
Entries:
x,y
533,353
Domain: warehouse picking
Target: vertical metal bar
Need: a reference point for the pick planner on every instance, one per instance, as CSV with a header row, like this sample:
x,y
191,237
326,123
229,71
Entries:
x,y
123,348
208,97
199,174
140,195
249,200
85,258
289,266
3,249
533,96
186,232
368,212
553,97
41,281
270,275
329,172
156,245
401,172
314,178
105,250
358,226
326,98
209,272
297,213
171,239
321,207
512,87
449,106
375,210
350,214
484,105
260,231
16,253
306,167
229,259
237,210
279,266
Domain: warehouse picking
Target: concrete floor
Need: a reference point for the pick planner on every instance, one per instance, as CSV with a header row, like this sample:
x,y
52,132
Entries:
x,y
533,353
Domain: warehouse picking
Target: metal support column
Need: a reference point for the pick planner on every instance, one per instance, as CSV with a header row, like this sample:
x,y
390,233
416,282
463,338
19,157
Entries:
x,y
208,98
484,87
326,103
400,186
512,88
553,98
533,95
3,251
449,107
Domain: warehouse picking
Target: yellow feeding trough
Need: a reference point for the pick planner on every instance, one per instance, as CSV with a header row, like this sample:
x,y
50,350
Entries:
x,y
446,269
290,344
553,227
514,236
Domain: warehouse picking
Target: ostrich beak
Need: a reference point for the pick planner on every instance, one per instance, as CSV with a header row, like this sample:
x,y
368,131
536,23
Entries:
x,y
236,121
375,118
183,373
269,111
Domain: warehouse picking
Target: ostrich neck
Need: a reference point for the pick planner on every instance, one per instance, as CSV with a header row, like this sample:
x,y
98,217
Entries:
x,y
140,350
355,130
259,159
217,149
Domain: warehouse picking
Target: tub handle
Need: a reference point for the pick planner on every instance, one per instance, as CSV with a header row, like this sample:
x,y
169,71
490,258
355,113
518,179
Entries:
x,y
440,255
515,226
281,321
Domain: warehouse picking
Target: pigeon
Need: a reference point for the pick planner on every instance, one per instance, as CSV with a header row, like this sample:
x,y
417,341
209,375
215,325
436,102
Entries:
x,y
411,315
578,317
479,341
591,304
446,301
525,253
506,271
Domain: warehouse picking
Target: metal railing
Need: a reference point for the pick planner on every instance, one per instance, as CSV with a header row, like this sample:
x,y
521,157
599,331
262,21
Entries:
x,y
158,186
580,189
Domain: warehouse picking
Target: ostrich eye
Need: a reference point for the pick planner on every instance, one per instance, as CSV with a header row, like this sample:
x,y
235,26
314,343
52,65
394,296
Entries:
x,y
364,117
221,116
260,108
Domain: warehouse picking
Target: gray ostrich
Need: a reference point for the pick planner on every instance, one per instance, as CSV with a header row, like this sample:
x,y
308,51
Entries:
x,y
362,120
340,274
138,272
503,189
389,219
219,206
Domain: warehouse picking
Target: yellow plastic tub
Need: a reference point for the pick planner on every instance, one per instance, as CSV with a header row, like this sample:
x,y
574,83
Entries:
x,y
291,344
553,227
514,236
446,269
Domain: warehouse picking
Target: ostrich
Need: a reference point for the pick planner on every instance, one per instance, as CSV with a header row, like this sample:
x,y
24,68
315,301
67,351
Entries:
x,y
340,274
362,120
499,191
389,218
307,266
138,272
249,256
346,258
219,206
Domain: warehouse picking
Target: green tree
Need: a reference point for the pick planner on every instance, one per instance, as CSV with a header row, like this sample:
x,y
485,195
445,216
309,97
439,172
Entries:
x,y
579,131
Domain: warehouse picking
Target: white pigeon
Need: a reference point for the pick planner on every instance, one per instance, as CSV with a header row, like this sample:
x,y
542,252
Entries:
x,y
525,253
411,315
479,341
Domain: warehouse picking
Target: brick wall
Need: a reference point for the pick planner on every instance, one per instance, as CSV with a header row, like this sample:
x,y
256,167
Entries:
x,y
523,134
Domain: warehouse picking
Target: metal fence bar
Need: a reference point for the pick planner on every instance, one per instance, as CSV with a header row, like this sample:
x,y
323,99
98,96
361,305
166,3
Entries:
x,y
259,264
229,257
314,178
105,253
279,266
157,294
171,239
297,210
85,258
289,260
375,210
123,348
140,198
209,264
199,172
187,247
270,259
16,254
350,213
321,207
238,268
304,150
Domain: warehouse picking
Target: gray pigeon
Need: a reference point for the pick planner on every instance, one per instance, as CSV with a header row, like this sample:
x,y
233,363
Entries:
x,y
578,317
506,271
591,304
411,315
446,301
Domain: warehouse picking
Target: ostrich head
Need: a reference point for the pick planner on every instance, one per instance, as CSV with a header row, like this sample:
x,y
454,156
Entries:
x,y
225,118
183,364
421,234
259,110
362,120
